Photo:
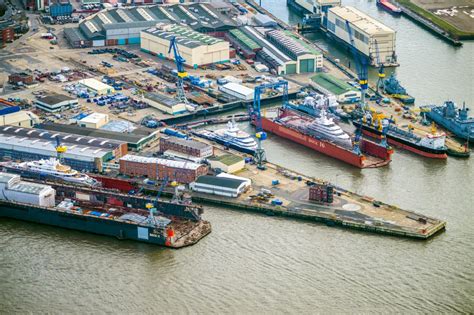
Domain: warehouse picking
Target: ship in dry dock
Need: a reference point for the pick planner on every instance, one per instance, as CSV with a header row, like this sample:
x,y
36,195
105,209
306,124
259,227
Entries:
x,y
103,212
305,130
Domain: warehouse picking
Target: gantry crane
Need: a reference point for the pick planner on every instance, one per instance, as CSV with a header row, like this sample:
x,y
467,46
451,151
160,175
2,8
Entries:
x,y
181,96
256,116
362,67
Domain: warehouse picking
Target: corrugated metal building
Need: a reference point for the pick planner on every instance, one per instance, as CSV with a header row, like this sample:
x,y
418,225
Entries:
x,y
222,186
84,153
122,26
96,86
269,54
243,43
165,104
158,168
56,102
308,58
366,31
343,91
196,48
135,139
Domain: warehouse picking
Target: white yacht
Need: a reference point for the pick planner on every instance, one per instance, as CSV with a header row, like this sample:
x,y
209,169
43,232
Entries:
x,y
325,128
51,168
231,137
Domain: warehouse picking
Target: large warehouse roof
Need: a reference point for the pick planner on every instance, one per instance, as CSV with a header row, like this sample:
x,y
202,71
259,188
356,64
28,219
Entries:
x,y
67,138
332,84
136,136
360,20
48,148
273,52
292,45
184,35
154,160
198,16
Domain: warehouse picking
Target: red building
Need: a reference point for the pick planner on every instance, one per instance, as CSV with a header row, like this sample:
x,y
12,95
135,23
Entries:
x,y
157,168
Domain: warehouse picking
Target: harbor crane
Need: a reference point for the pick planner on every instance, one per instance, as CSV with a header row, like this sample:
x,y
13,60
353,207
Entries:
x,y
256,116
60,150
179,60
362,67
381,72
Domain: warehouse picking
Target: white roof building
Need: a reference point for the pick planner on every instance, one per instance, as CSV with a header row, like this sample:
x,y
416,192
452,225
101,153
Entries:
x,y
166,162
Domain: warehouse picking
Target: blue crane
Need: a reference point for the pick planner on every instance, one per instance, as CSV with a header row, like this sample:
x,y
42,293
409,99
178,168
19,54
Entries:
x,y
362,67
256,116
179,60
381,73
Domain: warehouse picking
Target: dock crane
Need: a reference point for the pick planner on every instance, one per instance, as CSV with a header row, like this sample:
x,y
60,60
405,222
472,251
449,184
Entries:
x,y
256,116
381,72
362,67
179,60
60,150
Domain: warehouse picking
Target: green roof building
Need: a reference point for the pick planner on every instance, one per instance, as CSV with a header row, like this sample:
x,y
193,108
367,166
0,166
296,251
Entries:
x,y
343,91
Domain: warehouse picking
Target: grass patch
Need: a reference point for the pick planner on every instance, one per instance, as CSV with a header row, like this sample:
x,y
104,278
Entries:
x,y
449,28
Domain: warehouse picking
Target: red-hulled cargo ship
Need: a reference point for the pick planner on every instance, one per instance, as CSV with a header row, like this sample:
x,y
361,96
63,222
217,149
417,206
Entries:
x,y
430,146
389,7
373,154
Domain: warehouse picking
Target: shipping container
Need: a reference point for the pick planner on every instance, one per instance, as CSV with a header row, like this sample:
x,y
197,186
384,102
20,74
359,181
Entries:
x,y
59,9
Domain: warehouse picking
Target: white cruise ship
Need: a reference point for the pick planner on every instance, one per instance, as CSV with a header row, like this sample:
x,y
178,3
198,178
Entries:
x,y
325,128
51,168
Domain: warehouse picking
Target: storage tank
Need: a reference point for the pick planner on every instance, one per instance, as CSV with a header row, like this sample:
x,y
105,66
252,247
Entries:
x,y
366,32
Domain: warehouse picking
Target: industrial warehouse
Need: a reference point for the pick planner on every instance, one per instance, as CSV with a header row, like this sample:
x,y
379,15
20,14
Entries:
x,y
196,48
122,26
83,153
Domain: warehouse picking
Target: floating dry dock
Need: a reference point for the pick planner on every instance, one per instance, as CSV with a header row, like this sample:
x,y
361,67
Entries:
x,y
347,210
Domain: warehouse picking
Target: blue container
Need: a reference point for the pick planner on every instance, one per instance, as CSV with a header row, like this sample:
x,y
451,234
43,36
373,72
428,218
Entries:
x,y
275,182
277,202
121,41
134,40
59,9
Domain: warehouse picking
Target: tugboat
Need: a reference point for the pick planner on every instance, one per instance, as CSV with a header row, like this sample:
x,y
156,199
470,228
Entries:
x,y
432,145
453,119
392,87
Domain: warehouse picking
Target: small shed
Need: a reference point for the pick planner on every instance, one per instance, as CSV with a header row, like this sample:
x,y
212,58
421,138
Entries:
x,y
222,186
165,104
228,163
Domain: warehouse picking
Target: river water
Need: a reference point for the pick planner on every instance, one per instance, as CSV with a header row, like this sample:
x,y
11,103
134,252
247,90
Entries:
x,y
253,263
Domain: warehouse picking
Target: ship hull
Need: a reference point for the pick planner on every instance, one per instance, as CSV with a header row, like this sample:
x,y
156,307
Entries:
x,y
404,144
85,223
329,148
226,143
449,125
390,8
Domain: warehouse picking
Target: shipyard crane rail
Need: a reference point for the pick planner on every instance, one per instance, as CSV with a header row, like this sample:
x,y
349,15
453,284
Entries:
x,y
256,115
180,61
362,67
